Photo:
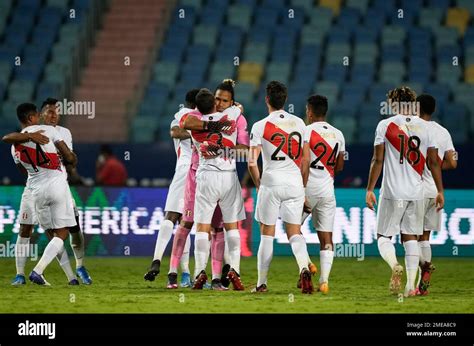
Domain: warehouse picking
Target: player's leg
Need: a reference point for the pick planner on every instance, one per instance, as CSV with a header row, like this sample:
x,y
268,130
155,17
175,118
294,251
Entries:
x,y
201,254
432,221
323,219
64,263
233,211
217,256
266,214
78,248
22,250
389,216
412,228
184,263
54,247
290,211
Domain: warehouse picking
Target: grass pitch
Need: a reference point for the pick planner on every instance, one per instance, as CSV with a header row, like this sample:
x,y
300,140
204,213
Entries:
x,y
119,287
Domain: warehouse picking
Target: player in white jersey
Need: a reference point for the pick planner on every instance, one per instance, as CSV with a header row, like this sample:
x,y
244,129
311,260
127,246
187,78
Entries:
x,y
279,137
323,157
432,219
403,143
175,199
51,116
28,218
214,134
48,184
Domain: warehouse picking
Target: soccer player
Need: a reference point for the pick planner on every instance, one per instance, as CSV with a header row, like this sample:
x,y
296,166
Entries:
x,y
432,219
216,181
48,184
175,199
224,98
28,215
279,137
323,157
52,117
402,144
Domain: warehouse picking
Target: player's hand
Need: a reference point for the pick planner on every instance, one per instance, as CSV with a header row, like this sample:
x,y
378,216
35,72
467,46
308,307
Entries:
x,y
38,138
226,126
439,201
239,105
209,150
370,200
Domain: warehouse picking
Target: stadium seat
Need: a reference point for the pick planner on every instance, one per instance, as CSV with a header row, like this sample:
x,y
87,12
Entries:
x,y
458,18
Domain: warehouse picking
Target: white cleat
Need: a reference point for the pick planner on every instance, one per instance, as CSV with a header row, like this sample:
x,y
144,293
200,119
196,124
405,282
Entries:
x,y
396,279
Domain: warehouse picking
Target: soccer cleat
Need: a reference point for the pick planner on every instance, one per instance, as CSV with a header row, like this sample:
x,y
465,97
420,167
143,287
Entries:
x,y
38,279
216,285
73,282
312,268
224,280
19,280
172,281
201,279
84,275
234,278
396,279
409,293
185,280
154,271
260,289
323,288
306,283
426,270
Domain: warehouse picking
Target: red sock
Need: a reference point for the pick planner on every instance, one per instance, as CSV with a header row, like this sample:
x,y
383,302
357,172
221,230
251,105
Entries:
x,y
217,254
178,247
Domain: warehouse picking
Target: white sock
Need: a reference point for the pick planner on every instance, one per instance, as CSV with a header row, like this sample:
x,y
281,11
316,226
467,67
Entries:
x,y
264,258
387,251
226,249
202,247
52,249
164,236
22,251
425,251
185,257
77,244
412,258
326,258
63,260
300,251
233,241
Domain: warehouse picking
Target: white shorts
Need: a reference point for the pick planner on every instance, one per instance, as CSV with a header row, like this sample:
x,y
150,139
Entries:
x,y
432,218
323,212
53,205
214,187
284,201
395,216
175,198
27,208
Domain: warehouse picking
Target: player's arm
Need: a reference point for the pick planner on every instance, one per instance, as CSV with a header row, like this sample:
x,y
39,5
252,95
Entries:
x,y
68,156
252,162
177,132
22,169
435,168
376,166
339,163
305,162
243,138
223,125
19,137
450,160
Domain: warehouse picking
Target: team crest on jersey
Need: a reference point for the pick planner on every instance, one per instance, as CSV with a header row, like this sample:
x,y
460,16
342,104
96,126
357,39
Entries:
x,y
282,116
407,120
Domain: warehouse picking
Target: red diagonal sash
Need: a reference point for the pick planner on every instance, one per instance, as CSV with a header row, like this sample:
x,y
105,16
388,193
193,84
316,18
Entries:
x,y
315,139
271,129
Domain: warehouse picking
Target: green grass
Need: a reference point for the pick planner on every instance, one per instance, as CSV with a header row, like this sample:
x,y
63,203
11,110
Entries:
x,y
119,288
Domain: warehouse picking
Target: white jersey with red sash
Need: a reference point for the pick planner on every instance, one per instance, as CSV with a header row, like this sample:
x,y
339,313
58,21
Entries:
x,y
42,162
280,135
326,142
406,139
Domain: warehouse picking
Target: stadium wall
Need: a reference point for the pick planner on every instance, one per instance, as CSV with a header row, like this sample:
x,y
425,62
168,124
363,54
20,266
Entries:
x,y
125,222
